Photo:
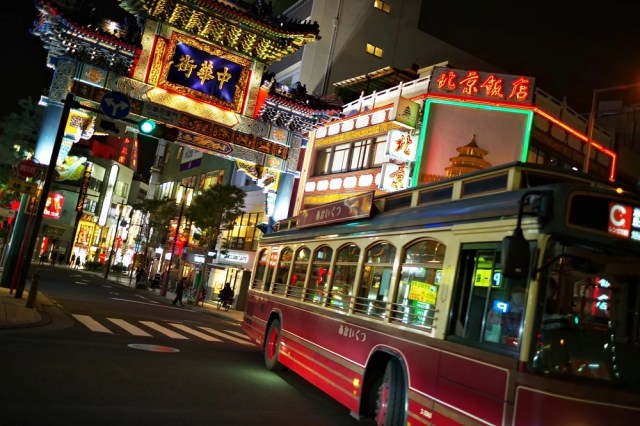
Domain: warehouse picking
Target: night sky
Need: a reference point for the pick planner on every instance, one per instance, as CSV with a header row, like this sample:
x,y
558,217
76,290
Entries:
x,y
569,52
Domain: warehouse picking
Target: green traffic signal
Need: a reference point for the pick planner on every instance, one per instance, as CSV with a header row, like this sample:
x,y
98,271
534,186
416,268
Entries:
x,y
158,130
147,126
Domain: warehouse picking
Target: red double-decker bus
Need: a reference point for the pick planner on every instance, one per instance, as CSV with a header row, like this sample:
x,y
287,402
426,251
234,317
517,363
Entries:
x,y
504,297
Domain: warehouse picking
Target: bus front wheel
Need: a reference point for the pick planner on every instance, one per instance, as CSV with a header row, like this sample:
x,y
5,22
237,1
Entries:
x,y
272,347
390,404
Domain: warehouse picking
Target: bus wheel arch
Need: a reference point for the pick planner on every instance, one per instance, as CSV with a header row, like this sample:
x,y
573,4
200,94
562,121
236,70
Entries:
x,y
271,345
385,389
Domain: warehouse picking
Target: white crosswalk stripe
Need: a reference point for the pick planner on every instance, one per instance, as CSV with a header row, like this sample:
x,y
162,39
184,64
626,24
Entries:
x,y
92,324
226,336
136,331
196,332
167,332
172,330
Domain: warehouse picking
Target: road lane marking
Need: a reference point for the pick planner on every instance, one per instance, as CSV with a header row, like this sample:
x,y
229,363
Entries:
x,y
128,327
92,324
163,330
226,336
196,333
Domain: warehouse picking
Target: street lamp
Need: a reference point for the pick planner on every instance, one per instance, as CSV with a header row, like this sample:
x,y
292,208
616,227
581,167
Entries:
x,y
592,118
183,197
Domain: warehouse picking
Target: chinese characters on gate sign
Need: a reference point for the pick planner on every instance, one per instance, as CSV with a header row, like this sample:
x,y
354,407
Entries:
x,y
490,86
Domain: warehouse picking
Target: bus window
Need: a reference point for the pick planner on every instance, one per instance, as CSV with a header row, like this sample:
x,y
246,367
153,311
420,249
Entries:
x,y
419,283
375,283
487,308
586,327
320,273
261,267
282,272
341,291
300,265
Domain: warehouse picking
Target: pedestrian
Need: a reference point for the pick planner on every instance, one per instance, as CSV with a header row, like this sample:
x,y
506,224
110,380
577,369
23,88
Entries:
x,y
73,259
77,263
179,291
54,257
61,258
43,257
140,272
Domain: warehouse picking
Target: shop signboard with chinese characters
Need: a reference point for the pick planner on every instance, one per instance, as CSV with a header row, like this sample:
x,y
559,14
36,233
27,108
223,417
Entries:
x,y
395,176
472,120
482,85
22,186
401,145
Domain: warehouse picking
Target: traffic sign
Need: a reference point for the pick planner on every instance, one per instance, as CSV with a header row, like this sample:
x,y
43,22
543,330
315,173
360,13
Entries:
x,y
115,105
27,169
109,126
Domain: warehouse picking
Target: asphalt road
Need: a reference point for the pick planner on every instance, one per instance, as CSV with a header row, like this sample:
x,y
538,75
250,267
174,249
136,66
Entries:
x,y
114,356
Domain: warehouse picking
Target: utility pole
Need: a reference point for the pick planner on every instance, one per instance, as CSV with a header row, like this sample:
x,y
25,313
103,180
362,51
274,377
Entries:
x,y
113,243
25,261
163,286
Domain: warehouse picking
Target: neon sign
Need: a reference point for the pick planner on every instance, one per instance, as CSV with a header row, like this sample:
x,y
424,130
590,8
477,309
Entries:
x,y
482,85
624,221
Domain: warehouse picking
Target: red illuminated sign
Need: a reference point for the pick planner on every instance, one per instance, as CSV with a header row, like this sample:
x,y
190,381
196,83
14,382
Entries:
x,y
620,219
53,208
482,85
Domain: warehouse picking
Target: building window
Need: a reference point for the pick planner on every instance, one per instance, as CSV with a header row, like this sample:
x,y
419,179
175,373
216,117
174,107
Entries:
x,y
349,157
374,50
244,235
210,179
382,5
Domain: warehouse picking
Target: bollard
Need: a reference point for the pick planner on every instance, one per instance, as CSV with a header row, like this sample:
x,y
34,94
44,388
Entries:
x,y
33,289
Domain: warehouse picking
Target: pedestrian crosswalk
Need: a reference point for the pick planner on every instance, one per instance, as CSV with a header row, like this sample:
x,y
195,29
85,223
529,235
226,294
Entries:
x,y
172,330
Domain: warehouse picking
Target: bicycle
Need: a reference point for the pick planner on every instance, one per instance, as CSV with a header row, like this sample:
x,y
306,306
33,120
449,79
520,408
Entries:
x,y
224,304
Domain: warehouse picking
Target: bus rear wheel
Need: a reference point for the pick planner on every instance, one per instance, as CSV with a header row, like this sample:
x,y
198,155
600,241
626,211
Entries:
x,y
272,347
390,404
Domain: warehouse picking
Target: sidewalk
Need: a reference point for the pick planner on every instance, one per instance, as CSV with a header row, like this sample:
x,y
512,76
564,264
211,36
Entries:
x,y
14,313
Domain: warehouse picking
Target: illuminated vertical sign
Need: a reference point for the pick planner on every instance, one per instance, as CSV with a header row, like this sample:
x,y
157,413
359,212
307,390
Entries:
x,y
624,221
402,145
106,202
53,207
395,176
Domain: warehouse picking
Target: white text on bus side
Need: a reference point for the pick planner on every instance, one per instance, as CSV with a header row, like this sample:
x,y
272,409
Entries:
x,y
426,413
352,333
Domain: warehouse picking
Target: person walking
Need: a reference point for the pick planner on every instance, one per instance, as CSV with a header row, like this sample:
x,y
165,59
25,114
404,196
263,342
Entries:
x,y
179,291
77,262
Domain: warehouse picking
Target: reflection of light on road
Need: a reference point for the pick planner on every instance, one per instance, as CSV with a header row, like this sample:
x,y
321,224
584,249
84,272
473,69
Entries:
x,y
153,348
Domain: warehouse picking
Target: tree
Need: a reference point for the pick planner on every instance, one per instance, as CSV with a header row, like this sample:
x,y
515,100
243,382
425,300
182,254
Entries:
x,y
215,210
158,214
18,135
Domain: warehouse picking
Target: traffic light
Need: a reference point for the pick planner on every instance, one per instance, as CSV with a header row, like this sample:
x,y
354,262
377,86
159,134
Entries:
x,y
158,130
